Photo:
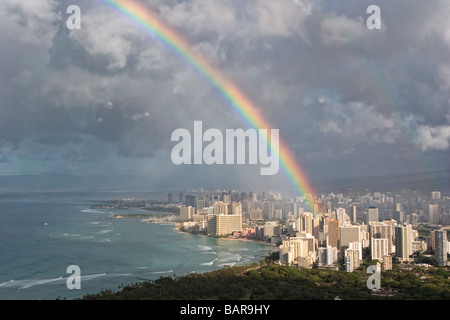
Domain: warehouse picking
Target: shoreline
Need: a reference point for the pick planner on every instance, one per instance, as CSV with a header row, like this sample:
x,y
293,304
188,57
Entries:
x,y
224,238
178,224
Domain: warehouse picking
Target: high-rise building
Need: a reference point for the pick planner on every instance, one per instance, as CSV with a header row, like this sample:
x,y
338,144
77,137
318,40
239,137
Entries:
x,y
181,198
236,207
187,213
441,245
372,215
299,247
433,213
379,248
214,198
190,201
200,204
435,195
356,246
223,224
328,255
349,234
170,197
403,243
353,217
333,233
351,259
382,230
315,227
220,207
341,215
268,209
414,219
399,216
306,222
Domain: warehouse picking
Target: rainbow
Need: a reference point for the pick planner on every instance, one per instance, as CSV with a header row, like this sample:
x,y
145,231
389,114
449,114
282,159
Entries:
x,y
151,23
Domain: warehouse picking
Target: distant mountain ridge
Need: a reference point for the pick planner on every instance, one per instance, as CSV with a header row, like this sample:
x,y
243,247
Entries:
x,y
423,182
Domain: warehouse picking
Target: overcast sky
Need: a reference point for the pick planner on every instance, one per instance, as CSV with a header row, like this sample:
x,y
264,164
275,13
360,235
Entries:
x,y
348,101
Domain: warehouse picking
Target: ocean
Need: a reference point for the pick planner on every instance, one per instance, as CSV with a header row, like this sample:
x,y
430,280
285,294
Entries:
x,y
42,234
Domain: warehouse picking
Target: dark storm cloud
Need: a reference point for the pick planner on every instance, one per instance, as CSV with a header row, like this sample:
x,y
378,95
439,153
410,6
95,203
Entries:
x,y
347,100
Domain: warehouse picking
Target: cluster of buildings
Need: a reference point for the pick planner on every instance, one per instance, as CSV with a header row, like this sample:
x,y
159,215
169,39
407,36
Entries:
x,y
332,231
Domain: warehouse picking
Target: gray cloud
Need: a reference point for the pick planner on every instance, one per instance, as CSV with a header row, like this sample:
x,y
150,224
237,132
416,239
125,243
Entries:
x,y
105,99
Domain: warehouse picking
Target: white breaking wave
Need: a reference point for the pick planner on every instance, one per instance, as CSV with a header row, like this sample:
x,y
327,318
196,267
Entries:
x,y
158,272
24,284
203,248
104,231
91,211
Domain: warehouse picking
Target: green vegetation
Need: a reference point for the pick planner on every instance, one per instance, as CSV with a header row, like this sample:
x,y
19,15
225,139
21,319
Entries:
x,y
268,281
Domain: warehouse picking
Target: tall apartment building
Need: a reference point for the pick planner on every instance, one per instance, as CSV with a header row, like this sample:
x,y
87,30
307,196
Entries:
x,y
268,209
372,215
297,246
223,224
190,201
341,215
403,243
328,255
220,207
351,260
333,233
349,234
187,213
356,246
414,219
379,248
433,213
236,207
441,245
353,214
382,230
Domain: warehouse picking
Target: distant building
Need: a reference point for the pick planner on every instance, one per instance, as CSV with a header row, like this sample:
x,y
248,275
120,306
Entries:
x,y
236,207
435,195
200,204
353,217
190,201
170,197
220,207
433,213
372,215
414,219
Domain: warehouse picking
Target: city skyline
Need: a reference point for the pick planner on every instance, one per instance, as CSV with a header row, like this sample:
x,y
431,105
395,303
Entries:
x,y
340,232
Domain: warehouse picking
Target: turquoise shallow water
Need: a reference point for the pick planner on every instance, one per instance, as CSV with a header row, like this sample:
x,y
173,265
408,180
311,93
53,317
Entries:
x,y
41,237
